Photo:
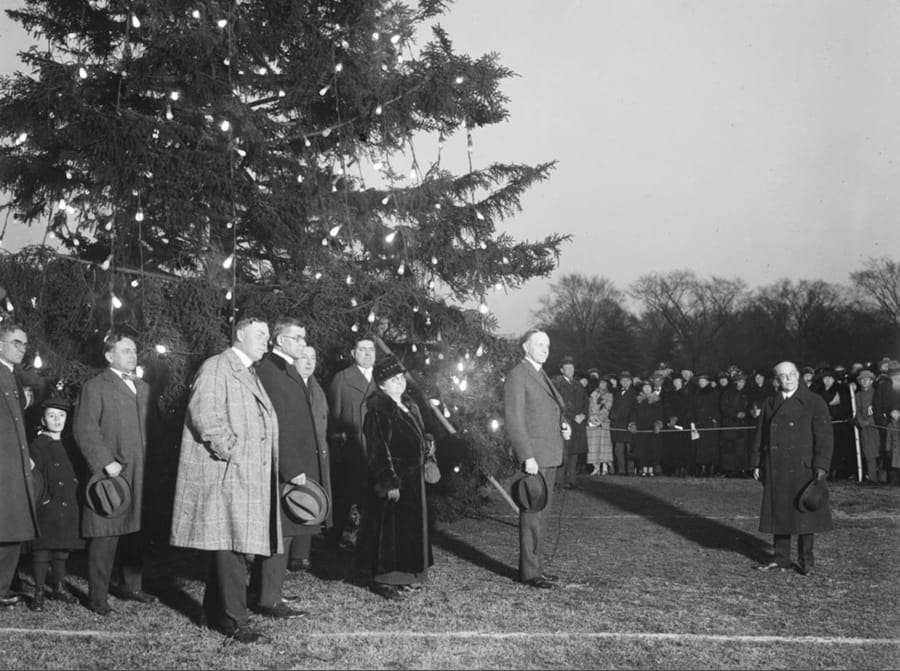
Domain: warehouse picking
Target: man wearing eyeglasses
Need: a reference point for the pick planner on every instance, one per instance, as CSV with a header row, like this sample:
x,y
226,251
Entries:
x,y
18,522
298,457
793,444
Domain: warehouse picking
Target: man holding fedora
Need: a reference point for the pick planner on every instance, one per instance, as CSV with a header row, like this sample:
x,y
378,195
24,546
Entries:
x,y
110,427
791,449
226,491
286,375
536,425
18,520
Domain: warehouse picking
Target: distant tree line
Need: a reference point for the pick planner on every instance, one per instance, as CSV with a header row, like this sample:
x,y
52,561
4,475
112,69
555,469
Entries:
x,y
710,323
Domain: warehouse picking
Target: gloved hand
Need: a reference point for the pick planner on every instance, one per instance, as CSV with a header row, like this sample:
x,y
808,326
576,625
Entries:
x,y
821,474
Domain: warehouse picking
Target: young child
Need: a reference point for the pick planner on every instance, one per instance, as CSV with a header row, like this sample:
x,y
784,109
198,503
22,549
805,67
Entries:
x,y
892,445
56,484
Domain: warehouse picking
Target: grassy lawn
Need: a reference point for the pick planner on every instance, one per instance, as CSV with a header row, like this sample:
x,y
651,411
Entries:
x,y
654,573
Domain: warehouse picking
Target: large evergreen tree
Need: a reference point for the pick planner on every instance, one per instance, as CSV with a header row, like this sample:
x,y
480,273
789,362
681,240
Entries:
x,y
275,156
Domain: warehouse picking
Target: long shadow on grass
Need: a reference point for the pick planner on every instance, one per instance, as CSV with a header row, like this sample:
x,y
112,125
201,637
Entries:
x,y
470,553
701,530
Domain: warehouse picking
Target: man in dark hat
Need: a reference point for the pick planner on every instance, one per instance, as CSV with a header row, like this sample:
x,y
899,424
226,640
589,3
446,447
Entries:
x,y
18,520
111,424
576,402
624,398
537,428
793,445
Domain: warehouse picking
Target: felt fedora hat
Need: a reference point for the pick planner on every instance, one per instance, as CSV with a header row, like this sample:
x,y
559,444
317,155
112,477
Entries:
x,y
813,496
530,493
106,496
307,503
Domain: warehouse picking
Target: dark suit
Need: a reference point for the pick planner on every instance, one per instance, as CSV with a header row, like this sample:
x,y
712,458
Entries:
x,y
793,439
111,424
18,521
622,406
534,412
301,449
347,396
576,403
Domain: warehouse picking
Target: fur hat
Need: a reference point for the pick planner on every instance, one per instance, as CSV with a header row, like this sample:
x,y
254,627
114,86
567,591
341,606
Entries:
x,y
387,368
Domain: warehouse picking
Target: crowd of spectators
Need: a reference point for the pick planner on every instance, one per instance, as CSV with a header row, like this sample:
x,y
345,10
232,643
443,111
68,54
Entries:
x,y
681,423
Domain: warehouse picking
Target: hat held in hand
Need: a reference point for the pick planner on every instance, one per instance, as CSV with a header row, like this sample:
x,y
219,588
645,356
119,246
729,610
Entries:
x,y
530,493
814,496
108,497
307,503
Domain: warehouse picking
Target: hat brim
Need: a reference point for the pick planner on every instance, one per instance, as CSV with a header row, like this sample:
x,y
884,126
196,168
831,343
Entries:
x,y
316,492
529,492
110,499
813,496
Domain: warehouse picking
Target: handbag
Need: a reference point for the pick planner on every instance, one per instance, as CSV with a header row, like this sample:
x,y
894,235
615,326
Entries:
x,y
430,469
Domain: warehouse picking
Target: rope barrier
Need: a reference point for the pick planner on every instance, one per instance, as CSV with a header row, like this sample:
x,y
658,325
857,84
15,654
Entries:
x,y
728,428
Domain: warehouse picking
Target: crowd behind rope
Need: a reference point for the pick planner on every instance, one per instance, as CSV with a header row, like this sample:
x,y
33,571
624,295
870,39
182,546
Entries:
x,y
680,423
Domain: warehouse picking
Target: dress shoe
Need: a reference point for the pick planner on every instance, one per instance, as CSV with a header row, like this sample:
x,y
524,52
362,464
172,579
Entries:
x,y
539,583
62,594
37,602
806,570
280,611
103,609
9,600
550,577
386,591
140,596
772,566
242,634
299,565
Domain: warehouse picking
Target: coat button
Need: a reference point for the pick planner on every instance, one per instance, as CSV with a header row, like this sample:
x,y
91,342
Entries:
x,y
60,483
64,504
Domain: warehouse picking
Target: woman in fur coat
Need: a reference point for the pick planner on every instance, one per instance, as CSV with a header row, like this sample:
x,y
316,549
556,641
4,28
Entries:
x,y
394,524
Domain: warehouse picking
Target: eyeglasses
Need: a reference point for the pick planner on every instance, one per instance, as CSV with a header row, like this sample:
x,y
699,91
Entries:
x,y
296,337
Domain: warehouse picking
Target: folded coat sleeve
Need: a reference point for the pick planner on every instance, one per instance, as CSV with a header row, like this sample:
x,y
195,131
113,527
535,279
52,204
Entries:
x,y
207,409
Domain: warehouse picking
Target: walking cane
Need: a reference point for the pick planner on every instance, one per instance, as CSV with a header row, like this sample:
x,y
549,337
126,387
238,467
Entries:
x,y
449,428
859,468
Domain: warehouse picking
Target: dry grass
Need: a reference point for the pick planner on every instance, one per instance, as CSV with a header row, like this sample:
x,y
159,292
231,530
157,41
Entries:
x,y
655,573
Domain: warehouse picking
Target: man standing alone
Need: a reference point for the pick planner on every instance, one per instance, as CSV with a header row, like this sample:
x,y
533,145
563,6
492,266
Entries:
x,y
793,444
537,428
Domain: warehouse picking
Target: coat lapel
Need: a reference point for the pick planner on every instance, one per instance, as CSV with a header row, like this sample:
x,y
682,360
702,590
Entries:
x,y
249,379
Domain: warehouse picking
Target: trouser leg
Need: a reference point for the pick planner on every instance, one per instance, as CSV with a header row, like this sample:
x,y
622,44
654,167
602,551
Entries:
x,y
101,553
301,547
225,598
805,556
271,577
131,562
532,529
782,550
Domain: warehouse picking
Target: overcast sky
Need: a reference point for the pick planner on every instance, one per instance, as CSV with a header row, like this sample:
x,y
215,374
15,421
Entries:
x,y
757,139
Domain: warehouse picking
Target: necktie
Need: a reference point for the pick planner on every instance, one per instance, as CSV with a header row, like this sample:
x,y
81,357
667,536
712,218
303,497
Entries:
x,y
128,377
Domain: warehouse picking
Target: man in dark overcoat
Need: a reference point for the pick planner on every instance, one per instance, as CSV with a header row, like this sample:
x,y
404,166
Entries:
x,y
537,428
624,399
347,395
110,428
301,456
18,521
793,444
576,403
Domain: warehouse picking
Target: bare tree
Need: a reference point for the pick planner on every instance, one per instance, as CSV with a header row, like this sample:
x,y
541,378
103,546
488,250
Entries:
x,y
880,283
587,317
695,309
804,312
